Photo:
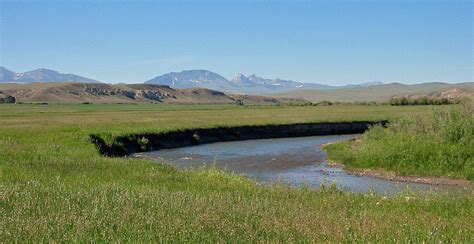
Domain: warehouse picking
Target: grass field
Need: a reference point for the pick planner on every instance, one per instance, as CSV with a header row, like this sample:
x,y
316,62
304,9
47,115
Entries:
x,y
55,185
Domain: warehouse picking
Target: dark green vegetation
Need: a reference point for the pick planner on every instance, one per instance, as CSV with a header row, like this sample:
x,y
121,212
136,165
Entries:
x,y
55,185
404,101
440,143
7,99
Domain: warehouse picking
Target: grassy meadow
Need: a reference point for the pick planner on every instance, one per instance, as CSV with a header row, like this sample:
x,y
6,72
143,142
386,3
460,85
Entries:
x,y
56,186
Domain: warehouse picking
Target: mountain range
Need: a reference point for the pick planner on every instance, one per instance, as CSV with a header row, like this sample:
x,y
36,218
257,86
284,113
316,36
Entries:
x,y
40,75
252,84
240,83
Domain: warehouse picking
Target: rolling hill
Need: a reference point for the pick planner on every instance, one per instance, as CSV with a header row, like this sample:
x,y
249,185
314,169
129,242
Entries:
x,y
69,92
377,93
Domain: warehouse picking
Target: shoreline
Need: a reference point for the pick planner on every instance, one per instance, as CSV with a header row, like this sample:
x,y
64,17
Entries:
x,y
392,176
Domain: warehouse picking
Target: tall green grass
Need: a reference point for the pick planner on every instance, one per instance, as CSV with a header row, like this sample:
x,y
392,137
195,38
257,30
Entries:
x,y
439,143
54,185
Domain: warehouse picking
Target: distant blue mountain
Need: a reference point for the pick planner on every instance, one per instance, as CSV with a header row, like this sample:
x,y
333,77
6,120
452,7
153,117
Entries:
x,y
40,75
366,84
192,78
239,84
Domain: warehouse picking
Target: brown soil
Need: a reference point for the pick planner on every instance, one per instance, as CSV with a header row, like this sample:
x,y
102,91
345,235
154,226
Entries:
x,y
392,176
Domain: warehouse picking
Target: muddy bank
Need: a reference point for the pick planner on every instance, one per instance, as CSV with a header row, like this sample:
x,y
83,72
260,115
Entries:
x,y
392,176
128,144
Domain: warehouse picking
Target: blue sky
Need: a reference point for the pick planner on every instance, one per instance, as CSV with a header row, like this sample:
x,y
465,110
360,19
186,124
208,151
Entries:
x,y
331,42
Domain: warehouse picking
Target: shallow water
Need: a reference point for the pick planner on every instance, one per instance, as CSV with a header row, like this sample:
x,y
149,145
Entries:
x,y
295,161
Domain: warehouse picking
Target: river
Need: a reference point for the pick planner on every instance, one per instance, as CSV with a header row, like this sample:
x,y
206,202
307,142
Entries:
x,y
297,162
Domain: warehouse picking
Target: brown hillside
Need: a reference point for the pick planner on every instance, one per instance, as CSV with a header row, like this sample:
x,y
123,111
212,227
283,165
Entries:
x,y
126,93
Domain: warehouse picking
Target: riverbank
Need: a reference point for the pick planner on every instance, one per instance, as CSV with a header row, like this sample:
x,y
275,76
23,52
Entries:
x,y
392,176
436,148
133,143
56,186
292,161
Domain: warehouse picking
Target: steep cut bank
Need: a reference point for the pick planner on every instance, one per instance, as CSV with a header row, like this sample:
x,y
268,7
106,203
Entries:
x,y
127,144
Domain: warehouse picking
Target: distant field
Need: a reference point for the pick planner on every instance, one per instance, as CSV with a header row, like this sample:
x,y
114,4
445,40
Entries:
x,y
56,186
130,118
378,93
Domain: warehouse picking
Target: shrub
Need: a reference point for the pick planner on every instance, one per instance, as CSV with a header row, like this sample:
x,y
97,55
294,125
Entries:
x,y
8,99
324,103
403,101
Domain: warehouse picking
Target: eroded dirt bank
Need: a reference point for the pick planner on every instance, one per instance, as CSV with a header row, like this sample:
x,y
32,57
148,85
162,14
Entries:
x,y
127,144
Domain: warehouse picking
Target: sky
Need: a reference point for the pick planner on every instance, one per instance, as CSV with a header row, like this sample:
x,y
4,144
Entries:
x,y
330,42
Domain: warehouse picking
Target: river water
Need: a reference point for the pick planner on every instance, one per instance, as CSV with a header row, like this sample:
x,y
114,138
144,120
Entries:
x,y
295,161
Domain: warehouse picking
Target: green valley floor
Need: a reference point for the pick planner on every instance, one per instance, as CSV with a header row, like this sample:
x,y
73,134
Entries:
x,y
56,186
